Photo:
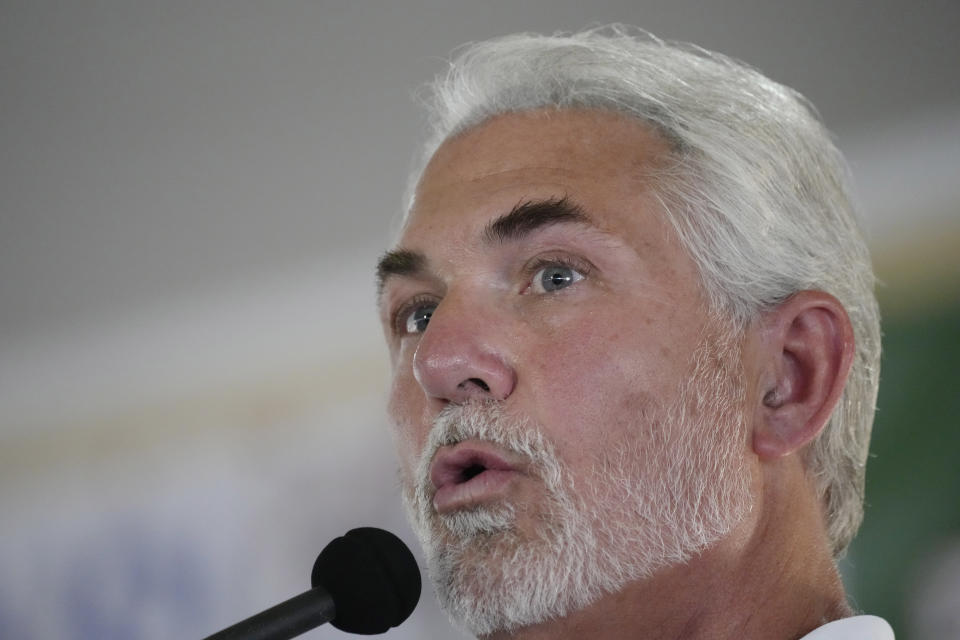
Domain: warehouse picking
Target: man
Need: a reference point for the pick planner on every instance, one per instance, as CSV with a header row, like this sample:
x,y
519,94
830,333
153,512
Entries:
x,y
635,347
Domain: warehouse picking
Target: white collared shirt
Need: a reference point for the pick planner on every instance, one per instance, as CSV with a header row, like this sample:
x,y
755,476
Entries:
x,y
855,628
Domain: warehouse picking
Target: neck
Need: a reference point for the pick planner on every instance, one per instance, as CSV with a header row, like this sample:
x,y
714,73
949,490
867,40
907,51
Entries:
x,y
773,578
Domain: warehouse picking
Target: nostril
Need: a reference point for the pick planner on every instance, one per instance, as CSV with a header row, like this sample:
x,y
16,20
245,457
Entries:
x,y
478,382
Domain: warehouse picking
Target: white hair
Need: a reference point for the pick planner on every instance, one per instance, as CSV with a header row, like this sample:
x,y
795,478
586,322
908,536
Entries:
x,y
757,192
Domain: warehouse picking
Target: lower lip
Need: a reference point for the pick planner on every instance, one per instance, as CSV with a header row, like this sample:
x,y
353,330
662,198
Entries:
x,y
487,486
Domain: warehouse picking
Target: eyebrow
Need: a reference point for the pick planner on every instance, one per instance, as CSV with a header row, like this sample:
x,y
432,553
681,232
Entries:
x,y
532,215
399,262
522,220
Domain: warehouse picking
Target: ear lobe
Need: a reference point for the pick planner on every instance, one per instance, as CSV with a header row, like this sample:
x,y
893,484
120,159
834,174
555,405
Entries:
x,y
807,348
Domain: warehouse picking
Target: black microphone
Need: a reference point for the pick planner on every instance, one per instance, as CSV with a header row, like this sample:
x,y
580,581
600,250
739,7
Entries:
x,y
365,581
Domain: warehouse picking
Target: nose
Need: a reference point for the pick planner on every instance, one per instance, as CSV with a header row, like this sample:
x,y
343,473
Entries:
x,y
463,356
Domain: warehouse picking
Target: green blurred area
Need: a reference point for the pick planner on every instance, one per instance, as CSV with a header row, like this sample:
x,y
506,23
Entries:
x,y
913,476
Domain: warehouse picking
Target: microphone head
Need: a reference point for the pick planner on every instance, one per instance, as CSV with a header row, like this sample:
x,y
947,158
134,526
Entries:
x,y
372,577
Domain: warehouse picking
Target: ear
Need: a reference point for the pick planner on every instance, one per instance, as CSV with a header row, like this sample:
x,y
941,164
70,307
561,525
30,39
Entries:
x,y
806,348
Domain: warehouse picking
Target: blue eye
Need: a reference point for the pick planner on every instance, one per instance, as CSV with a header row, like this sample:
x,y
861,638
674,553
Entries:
x,y
555,277
418,318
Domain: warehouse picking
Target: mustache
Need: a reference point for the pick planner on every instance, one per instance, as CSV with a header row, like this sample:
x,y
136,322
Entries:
x,y
488,421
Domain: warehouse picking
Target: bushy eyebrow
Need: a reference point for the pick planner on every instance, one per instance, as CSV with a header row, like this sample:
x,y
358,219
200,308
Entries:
x,y
522,220
531,215
399,262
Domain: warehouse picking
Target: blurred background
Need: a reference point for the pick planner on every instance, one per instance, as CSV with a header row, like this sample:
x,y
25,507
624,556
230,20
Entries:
x,y
192,198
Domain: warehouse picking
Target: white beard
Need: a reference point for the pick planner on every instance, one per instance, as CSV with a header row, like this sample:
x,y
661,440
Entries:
x,y
654,501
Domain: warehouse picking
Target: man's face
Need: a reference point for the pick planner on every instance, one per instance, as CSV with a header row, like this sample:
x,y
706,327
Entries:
x,y
559,389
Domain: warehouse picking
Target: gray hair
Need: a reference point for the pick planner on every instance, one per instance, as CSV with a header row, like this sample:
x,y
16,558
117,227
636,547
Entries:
x,y
757,192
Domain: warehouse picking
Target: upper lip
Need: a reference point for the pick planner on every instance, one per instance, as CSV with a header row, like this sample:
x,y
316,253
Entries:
x,y
452,464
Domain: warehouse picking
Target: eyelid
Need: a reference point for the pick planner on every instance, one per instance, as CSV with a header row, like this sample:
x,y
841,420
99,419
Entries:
x,y
580,265
398,318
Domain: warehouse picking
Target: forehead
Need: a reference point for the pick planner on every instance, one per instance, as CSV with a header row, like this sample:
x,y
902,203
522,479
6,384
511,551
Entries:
x,y
603,161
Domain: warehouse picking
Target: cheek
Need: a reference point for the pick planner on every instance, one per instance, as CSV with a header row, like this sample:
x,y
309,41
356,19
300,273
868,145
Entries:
x,y
596,382
406,411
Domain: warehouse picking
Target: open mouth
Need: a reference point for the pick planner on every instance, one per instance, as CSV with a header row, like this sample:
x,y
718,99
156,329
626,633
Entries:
x,y
469,473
